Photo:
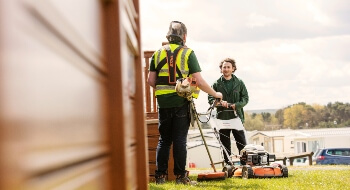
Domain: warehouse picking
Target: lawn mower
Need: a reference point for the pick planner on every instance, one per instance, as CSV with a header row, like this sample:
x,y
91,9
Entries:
x,y
257,164
256,161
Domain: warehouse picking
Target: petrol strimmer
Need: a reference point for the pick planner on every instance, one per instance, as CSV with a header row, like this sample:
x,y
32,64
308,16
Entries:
x,y
183,88
207,176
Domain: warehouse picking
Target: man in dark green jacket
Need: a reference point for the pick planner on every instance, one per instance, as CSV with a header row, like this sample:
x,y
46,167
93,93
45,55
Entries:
x,y
234,93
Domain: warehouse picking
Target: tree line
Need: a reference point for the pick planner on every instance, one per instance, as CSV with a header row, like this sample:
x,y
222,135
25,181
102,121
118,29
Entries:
x,y
301,116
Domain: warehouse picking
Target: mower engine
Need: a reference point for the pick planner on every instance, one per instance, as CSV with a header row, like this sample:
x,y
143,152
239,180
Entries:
x,y
256,163
255,155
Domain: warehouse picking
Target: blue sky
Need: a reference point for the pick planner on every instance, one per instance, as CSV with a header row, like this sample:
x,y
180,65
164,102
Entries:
x,y
286,51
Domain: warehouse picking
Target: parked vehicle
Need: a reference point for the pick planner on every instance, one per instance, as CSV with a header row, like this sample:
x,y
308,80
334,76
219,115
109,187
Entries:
x,y
333,156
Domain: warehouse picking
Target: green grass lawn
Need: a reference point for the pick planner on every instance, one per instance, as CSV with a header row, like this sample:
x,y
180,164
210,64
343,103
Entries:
x,y
308,177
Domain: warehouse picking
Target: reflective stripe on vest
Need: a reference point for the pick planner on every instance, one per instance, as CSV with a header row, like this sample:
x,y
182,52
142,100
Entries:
x,y
181,62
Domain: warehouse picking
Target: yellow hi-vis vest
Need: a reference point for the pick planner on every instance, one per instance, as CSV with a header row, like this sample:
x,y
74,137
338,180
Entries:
x,y
168,72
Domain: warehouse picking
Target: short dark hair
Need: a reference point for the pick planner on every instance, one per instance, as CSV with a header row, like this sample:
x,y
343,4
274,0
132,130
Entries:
x,y
229,60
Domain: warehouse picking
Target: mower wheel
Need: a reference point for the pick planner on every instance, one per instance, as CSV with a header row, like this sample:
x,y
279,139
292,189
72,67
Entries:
x,y
229,170
284,171
247,172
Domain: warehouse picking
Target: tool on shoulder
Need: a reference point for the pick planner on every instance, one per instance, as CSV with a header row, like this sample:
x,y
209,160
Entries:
x,y
185,87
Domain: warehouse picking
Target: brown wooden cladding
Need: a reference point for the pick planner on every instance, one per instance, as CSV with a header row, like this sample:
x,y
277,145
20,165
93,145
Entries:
x,y
153,137
71,110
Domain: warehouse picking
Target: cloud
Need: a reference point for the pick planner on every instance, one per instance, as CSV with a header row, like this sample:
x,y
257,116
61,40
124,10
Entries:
x,y
318,15
288,48
286,51
278,73
255,20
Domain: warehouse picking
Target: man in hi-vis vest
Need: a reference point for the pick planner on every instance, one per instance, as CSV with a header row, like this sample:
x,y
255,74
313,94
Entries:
x,y
170,63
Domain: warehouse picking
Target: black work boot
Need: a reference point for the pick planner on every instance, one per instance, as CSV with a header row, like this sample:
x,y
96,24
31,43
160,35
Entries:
x,y
160,179
184,179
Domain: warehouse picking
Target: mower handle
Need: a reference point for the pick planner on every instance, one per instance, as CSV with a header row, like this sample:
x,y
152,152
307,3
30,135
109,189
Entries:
x,y
217,103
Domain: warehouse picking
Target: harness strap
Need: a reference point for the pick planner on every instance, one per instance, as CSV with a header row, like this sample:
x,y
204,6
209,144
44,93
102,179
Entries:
x,y
172,66
160,65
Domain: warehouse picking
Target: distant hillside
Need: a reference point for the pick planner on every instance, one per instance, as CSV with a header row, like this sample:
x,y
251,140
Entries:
x,y
272,111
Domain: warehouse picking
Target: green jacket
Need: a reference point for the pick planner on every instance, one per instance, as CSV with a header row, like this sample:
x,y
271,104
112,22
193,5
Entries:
x,y
238,96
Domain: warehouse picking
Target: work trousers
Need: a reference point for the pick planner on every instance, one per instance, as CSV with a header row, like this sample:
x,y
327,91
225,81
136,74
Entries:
x,y
226,141
173,129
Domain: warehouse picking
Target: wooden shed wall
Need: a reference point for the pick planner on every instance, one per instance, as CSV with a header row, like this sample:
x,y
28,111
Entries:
x,y
71,109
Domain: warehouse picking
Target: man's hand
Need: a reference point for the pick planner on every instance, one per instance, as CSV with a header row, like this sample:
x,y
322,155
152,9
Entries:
x,y
233,106
224,104
227,105
218,95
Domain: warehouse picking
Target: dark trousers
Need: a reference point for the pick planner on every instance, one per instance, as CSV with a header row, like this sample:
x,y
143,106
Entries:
x,y
173,129
225,139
